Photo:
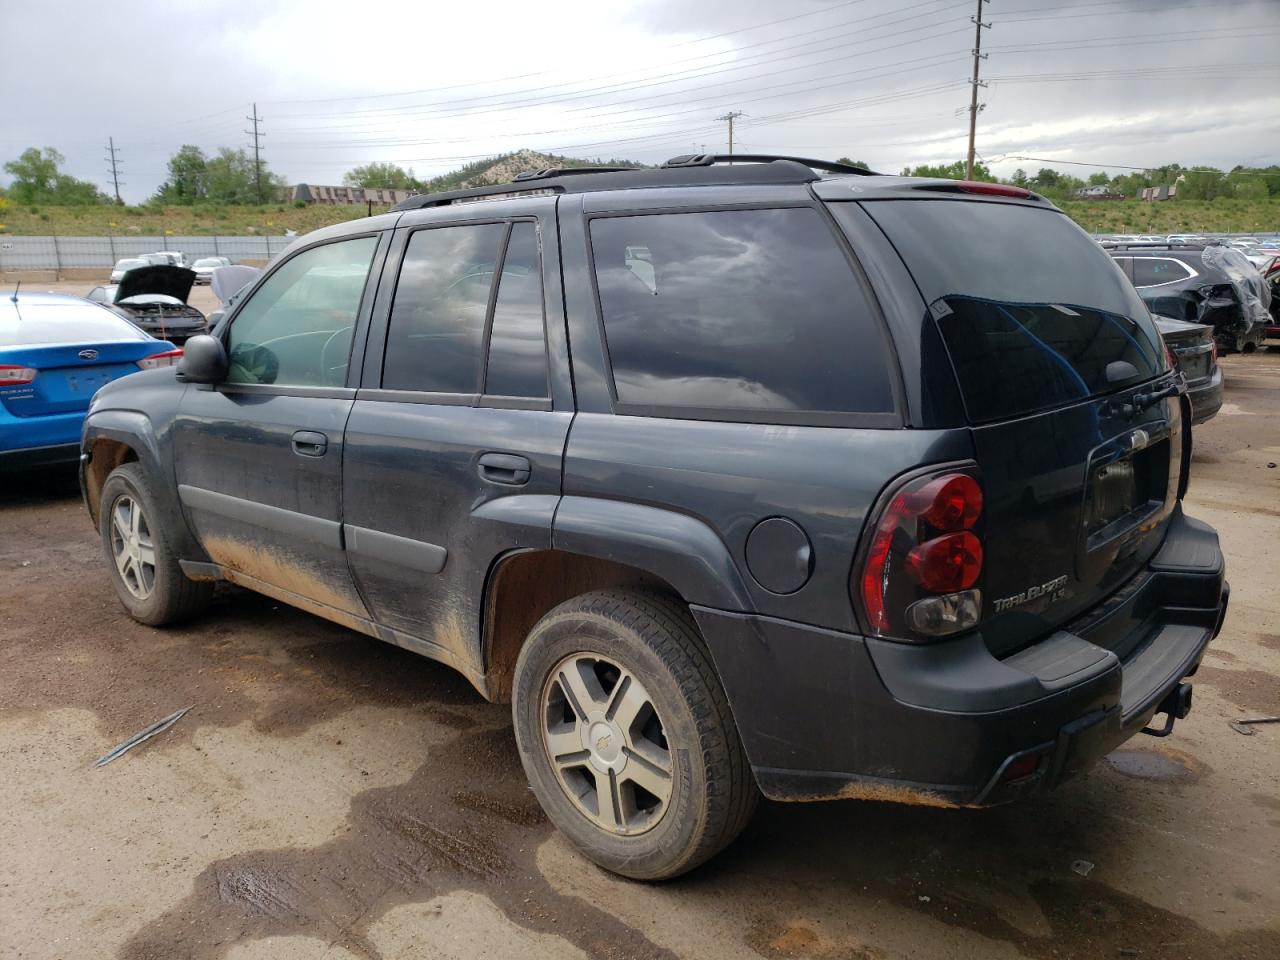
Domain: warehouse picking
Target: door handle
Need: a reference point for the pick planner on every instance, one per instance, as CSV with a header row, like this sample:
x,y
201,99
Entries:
x,y
505,468
309,443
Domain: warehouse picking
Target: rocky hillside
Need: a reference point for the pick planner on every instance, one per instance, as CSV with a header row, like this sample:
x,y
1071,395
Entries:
x,y
503,168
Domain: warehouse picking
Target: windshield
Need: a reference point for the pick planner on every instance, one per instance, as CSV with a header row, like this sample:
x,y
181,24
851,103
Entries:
x,y
1034,314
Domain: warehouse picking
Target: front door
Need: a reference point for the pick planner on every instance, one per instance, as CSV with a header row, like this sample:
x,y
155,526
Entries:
x,y
454,446
259,456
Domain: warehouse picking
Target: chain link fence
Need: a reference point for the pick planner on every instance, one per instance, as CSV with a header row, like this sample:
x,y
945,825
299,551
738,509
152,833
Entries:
x,y
65,253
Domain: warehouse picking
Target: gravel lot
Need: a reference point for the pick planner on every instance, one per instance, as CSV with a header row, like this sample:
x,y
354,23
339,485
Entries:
x,y
331,796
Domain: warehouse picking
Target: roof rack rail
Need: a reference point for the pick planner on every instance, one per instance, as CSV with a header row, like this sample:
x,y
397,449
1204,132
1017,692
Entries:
x,y
546,172
707,159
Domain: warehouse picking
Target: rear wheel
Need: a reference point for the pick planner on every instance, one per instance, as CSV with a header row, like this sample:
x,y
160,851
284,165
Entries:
x,y
144,568
626,736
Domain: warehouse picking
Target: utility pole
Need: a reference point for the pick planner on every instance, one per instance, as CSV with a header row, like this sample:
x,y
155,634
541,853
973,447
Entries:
x,y
978,57
257,160
115,167
731,116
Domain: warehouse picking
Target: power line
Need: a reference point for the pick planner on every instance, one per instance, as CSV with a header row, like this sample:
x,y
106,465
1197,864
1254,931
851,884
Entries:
x,y
115,167
974,84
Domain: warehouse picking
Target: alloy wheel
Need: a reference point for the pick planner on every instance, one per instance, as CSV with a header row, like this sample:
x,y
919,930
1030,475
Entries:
x,y
605,741
132,547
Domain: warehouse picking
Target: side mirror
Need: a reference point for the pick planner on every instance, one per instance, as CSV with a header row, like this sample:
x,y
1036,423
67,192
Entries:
x,y
204,360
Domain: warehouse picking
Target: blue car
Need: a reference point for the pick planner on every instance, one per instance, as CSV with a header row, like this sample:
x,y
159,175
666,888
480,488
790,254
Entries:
x,y
55,351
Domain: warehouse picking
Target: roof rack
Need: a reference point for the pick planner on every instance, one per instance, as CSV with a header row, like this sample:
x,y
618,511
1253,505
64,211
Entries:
x,y
694,170
546,172
1150,245
708,159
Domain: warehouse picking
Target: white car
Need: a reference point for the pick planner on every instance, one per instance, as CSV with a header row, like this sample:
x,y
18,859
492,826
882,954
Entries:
x,y
124,266
176,257
205,266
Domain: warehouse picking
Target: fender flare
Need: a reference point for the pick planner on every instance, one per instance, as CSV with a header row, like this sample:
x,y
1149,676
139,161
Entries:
x,y
674,547
135,429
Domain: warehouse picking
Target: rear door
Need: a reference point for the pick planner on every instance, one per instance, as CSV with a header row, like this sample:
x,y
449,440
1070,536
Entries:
x,y
1061,372
259,456
454,446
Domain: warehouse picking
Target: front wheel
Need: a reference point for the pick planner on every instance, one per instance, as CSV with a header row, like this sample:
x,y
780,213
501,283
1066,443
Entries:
x,y
144,568
626,736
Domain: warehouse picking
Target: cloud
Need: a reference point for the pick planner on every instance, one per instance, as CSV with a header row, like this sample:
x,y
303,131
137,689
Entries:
x,y
431,86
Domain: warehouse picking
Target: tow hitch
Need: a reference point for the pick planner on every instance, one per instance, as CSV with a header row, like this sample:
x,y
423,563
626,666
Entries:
x,y
1175,706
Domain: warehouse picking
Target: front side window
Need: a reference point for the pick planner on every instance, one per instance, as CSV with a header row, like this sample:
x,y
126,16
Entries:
x,y
436,335
737,310
296,329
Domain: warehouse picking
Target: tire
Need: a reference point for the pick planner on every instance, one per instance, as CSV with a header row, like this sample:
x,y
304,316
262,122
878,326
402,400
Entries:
x,y
163,595
648,664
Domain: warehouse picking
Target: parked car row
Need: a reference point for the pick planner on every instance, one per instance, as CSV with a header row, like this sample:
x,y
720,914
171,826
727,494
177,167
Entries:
x,y
203,266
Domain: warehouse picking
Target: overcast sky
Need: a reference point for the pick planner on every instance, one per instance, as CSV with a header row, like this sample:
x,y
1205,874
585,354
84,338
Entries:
x,y
434,85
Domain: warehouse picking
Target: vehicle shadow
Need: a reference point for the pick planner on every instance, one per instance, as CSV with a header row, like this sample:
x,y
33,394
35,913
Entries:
x,y
24,488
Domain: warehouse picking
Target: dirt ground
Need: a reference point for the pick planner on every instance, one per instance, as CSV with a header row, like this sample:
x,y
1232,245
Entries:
x,y
331,796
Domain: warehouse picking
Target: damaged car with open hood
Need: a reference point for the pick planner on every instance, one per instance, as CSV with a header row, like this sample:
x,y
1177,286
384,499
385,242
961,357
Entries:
x,y
154,299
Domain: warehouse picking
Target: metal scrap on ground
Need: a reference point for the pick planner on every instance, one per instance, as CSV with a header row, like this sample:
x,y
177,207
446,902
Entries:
x,y
146,733
1246,726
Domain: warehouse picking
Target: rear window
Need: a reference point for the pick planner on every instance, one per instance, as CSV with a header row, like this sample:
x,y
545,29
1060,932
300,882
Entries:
x,y
1034,314
708,313
42,326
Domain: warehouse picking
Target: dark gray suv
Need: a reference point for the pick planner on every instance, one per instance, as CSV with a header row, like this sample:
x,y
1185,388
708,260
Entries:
x,y
775,477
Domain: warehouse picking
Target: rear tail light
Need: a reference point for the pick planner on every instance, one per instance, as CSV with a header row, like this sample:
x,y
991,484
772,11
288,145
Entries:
x,y
160,360
921,572
11,376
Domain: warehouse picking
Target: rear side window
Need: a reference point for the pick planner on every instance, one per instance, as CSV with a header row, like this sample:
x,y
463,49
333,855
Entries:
x,y
1150,271
436,335
517,342
741,310
1034,314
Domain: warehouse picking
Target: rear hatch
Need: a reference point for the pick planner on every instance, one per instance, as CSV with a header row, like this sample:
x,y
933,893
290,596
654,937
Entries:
x,y
1061,373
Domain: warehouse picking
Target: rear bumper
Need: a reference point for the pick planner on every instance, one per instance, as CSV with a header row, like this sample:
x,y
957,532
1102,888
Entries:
x,y
827,715
1205,396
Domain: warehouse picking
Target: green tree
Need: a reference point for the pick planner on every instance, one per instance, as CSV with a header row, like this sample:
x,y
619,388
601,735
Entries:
x,y
1020,177
34,174
188,173
1206,184
38,179
379,174
1099,179
230,178
853,163
953,171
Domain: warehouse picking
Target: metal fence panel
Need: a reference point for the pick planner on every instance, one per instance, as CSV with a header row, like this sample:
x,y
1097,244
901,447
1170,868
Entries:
x,y
58,253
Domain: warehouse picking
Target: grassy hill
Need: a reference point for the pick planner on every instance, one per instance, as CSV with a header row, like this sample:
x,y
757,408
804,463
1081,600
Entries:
x,y
1176,216
1127,216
